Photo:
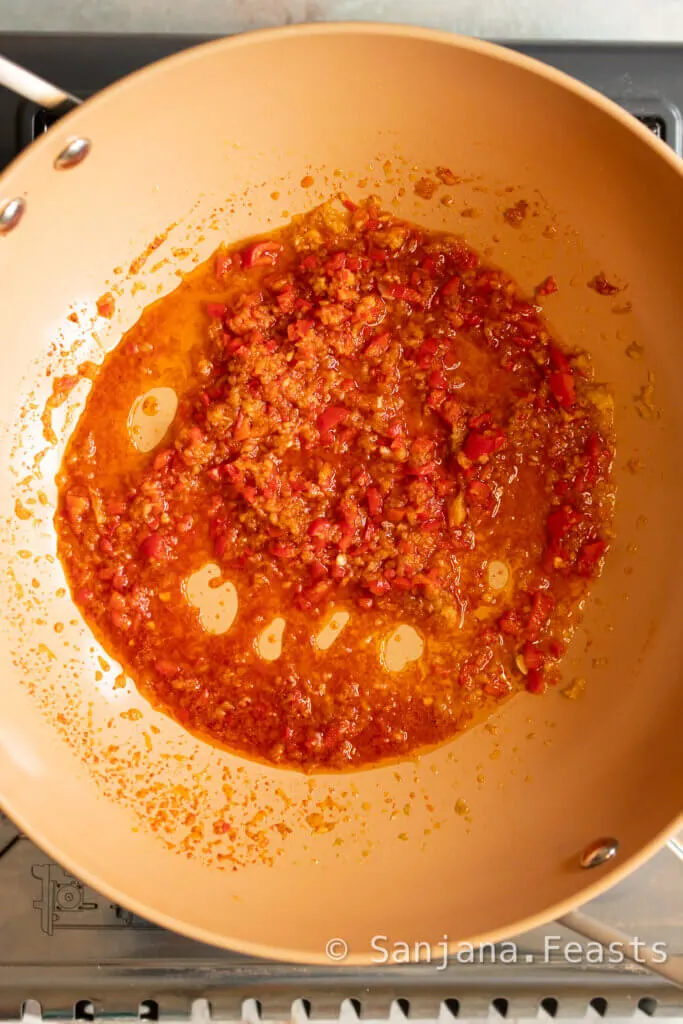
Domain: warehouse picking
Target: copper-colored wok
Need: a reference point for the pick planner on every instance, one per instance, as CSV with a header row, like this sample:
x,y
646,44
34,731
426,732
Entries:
x,y
498,818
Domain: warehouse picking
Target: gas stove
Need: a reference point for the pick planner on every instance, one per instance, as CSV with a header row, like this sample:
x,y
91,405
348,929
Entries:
x,y
69,953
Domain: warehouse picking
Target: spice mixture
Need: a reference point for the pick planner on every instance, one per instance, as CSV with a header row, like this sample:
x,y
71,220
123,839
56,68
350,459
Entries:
x,y
389,476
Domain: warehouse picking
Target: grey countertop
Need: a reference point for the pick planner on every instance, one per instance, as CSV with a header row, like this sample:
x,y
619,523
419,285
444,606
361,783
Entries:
x,y
644,20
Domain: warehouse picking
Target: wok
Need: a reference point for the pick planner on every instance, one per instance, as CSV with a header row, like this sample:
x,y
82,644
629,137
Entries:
x,y
483,837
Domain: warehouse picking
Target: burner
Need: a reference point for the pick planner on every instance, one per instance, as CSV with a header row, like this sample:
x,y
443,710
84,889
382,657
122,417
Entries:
x,y
655,124
31,122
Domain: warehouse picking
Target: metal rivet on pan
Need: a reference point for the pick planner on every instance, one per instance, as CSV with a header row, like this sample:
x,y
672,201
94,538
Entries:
x,y
11,213
73,154
599,852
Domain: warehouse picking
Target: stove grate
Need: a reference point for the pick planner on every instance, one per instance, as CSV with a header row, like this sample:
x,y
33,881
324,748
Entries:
x,y
489,1006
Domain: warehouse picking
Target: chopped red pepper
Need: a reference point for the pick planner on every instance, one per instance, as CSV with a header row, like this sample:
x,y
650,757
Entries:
x,y
480,446
106,305
479,493
542,604
155,547
378,586
216,310
167,669
378,345
318,570
336,262
533,656
480,422
560,521
404,294
280,550
331,418
452,286
320,528
261,254
535,681
602,286
589,556
426,353
563,388
374,500
558,359
437,379
548,287
510,624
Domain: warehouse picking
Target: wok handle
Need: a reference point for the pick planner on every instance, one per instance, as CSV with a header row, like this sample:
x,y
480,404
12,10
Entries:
x,y
34,88
587,926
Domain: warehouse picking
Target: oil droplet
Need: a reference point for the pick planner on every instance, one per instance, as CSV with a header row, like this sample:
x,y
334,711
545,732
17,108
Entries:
x,y
332,628
498,574
403,646
150,417
269,640
215,602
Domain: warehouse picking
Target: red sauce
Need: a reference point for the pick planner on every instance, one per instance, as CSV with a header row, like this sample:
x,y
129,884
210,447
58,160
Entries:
x,y
370,419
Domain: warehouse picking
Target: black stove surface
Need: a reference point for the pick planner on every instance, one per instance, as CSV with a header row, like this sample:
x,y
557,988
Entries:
x,y
646,79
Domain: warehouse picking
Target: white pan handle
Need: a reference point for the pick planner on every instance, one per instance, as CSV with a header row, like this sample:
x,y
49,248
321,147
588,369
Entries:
x,y
587,926
32,87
